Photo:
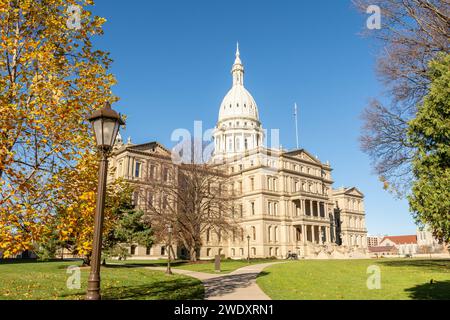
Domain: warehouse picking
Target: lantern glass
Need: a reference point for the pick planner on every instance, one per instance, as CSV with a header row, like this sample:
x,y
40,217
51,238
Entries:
x,y
109,128
98,129
106,132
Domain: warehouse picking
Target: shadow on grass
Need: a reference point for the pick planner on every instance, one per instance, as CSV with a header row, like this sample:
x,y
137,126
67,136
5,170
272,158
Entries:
x,y
35,261
263,274
228,284
439,290
428,265
143,264
176,289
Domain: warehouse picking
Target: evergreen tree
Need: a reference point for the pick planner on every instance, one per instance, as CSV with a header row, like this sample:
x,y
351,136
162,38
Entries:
x,y
429,133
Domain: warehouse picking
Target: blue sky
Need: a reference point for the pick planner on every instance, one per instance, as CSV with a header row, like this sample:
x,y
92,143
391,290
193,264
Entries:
x,y
172,60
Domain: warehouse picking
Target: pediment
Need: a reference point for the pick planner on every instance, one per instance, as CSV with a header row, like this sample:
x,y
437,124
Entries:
x,y
354,192
304,155
152,147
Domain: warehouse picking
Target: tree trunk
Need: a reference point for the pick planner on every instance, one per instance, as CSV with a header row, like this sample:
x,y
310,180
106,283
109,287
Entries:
x,y
193,254
87,261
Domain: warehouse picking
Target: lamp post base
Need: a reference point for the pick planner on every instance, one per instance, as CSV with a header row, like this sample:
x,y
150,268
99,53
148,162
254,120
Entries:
x,y
93,291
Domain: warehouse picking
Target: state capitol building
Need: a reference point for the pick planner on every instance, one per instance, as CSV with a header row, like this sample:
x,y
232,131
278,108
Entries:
x,y
286,198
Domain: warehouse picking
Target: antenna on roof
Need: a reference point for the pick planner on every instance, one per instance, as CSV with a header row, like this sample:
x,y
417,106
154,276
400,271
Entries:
x,y
296,124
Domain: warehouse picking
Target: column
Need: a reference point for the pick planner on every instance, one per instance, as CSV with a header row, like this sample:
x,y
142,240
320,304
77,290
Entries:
x,y
302,201
305,233
313,234
328,235
125,167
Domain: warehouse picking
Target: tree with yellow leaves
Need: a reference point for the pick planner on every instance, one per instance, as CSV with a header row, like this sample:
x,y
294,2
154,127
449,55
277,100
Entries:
x,y
51,79
74,221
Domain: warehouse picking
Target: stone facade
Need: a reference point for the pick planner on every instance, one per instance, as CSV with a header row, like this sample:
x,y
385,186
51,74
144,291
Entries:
x,y
286,199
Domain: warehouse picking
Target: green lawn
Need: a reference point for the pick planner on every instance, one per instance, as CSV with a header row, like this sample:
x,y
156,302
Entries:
x,y
227,265
346,279
47,281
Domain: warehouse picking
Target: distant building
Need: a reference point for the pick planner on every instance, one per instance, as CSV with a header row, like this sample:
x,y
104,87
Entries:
x,y
406,245
373,241
425,238
383,251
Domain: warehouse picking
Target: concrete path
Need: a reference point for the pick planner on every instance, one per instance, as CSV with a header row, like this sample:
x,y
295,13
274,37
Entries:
x,y
237,285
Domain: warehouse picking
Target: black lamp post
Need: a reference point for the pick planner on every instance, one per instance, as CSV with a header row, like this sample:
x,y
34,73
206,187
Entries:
x,y
248,249
170,230
106,123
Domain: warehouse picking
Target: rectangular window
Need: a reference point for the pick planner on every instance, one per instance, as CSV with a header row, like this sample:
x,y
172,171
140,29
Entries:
x,y
322,209
308,207
315,211
252,184
137,170
152,172
150,198
165,175
120,169
135,198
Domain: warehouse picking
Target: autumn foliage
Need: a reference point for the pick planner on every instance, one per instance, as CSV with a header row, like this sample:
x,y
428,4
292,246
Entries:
x,y
51,79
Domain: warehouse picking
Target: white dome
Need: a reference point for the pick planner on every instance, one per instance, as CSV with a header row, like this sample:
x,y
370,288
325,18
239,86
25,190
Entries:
x,y
238,103
239,128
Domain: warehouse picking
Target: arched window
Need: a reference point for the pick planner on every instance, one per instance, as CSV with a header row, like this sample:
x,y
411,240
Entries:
x,y
254,251
163,251
233,252
254,233
208,252
275,236
269,233
133,250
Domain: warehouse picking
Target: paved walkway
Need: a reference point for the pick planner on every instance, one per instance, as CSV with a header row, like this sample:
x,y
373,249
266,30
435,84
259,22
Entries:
x,y
237,285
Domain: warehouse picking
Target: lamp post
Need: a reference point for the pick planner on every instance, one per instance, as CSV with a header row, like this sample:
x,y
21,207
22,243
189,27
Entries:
x,y
248,249
106,123
170,230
